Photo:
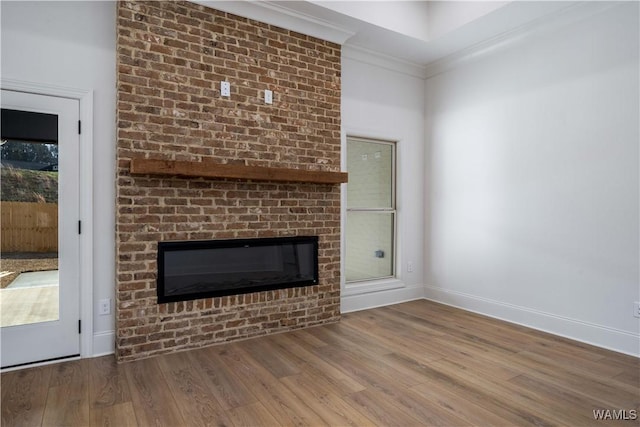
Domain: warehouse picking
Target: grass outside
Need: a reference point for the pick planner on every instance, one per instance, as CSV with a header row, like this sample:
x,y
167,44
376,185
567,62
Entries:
x,y
23,185
12,264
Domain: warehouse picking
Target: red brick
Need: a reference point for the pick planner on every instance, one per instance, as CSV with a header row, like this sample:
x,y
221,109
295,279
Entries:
x,y
171,56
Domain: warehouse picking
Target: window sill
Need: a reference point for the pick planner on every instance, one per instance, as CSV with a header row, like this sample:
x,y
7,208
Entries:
x,y
359,288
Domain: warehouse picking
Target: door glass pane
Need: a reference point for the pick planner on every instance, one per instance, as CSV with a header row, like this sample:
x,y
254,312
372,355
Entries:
x,y
370,166
29,245
369,245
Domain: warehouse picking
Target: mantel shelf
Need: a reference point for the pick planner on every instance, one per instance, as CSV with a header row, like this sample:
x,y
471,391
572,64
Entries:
x,y
208,169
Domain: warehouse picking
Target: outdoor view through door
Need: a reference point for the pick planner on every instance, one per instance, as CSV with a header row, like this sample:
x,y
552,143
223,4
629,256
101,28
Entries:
x,y
39,307
29,195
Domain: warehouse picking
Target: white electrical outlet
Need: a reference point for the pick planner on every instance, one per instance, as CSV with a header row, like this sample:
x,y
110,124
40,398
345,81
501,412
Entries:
x,y
636,309
410,267
104,306
268,96
225,88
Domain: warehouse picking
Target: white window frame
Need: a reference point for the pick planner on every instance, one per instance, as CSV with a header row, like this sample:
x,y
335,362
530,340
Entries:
x,y
382,280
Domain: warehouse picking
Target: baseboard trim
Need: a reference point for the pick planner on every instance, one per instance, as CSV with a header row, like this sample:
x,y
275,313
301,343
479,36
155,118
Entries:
x,y
104,343
600,336
382,298
589,333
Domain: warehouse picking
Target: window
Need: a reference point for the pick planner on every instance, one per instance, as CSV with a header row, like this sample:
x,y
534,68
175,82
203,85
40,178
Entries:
x,y
371,215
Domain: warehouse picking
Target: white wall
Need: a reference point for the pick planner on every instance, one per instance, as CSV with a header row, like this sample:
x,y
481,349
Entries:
x,y
533,182
72,44
383,104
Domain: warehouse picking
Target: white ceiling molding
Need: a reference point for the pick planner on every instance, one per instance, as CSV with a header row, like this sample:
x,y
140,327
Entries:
x,y
547,23
283,17
381,60
390,50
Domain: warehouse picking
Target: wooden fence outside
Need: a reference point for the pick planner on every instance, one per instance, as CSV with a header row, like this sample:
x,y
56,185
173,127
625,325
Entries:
x,y
29,227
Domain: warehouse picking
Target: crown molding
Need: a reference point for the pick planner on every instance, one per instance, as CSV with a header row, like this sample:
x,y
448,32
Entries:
x,y
283,17
381,60
541,25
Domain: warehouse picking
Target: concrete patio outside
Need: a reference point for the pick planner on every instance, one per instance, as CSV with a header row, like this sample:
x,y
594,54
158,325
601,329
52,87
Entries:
x,y
31,298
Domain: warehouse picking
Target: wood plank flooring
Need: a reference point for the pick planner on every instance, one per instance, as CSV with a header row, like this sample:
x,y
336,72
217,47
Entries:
x,y
416,363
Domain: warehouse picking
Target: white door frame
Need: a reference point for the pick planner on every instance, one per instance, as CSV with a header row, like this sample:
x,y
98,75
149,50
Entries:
x,y
85,98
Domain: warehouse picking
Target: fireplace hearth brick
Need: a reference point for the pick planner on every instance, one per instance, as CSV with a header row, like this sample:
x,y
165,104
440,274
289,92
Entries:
x,y
171,59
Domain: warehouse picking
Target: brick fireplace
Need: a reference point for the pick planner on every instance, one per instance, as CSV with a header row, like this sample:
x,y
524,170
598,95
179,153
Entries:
x,y
172,57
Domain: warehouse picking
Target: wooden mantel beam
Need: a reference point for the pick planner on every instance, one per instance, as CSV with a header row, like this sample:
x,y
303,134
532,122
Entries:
x,y
209,169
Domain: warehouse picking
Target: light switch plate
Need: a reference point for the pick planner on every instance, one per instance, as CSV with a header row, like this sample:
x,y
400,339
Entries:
x,y
225,88
104,306
268,96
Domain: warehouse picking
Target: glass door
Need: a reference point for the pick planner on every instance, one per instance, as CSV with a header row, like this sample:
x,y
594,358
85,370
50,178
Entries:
x,y
39,197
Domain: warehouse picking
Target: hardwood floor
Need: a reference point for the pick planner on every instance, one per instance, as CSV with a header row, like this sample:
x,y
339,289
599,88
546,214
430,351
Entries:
x,y
417,363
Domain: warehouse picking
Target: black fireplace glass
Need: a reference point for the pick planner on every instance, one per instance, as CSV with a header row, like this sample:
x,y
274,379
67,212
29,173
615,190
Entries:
x,y
190,270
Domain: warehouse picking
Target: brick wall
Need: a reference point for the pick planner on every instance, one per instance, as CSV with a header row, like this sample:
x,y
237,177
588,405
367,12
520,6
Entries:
x,y
171,59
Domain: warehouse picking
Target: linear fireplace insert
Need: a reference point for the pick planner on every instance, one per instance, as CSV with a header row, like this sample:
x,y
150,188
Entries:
x,y
190,270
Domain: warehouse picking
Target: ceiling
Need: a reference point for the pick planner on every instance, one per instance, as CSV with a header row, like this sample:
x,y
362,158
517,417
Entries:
x,y
413,33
